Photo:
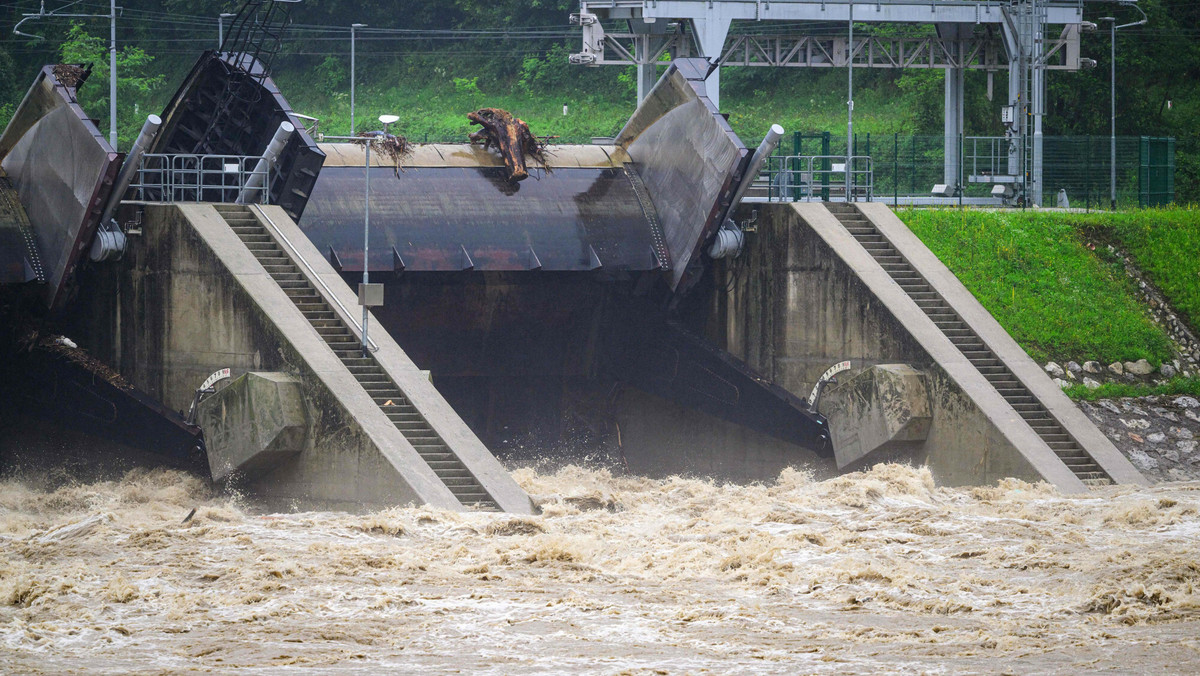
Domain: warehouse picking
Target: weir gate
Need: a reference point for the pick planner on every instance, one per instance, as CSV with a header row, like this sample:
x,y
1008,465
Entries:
x,y
620,305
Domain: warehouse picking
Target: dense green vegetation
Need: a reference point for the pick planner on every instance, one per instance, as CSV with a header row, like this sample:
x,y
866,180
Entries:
x,y
434,75
1164,243
1033,272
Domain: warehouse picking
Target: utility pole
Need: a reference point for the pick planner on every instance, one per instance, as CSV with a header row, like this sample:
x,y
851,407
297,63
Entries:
x,y
1112,98
221,28
353,26
850,100
112,73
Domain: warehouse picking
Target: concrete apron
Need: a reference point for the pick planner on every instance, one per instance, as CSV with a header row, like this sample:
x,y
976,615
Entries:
x,y
1005,420
412,476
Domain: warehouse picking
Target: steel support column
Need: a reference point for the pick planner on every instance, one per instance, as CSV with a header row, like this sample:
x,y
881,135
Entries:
x,y
953,124
710,41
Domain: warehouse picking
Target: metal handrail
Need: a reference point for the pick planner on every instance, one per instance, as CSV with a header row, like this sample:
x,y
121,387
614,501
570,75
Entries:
x,y
198,178
316,278
782,169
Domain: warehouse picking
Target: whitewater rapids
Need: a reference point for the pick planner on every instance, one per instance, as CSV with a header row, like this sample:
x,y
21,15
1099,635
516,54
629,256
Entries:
x,y
864,573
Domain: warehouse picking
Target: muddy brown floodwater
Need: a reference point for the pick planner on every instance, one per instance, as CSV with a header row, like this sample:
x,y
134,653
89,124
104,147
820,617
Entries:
x,y
879,571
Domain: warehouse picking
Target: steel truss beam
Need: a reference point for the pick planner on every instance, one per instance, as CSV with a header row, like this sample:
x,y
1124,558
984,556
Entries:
x,y
822,51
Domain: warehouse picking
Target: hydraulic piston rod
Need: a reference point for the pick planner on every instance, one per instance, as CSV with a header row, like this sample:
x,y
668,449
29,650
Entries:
x,y
256,185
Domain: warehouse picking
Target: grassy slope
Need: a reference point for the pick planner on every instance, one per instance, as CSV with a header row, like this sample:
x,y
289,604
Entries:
x,y
1165,243
1033,273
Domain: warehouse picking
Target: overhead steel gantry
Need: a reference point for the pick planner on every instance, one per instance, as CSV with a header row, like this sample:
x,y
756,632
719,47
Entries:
x,y
1014,36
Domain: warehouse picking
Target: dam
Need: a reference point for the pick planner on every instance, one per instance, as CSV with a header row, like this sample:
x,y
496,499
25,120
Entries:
x,y
192,302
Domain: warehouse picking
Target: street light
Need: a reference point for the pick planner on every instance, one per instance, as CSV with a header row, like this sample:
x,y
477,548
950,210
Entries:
x,y
366,296
112,54
353,27
849,99
1112,94
221,28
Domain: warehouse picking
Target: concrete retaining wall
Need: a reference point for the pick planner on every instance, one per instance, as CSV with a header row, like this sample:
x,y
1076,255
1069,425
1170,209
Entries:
x,y
193,299
808,296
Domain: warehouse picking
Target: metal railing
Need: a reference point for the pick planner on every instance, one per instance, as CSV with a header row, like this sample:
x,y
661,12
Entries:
x,y
202,178
988,156
792,178
315,278
312,125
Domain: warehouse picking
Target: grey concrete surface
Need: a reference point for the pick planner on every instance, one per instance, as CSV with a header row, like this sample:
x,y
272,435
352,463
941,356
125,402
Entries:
x,y
1027,371
883,404
809,295
254,424
414,382
194,300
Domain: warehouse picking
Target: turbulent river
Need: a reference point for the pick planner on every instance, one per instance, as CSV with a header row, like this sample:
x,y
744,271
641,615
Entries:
x,y
879,571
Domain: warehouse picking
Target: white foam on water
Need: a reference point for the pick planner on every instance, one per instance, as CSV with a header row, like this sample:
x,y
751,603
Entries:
x,y
879,570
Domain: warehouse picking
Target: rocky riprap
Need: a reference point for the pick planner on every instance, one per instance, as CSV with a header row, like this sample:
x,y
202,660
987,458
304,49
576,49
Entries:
x,y
1159,434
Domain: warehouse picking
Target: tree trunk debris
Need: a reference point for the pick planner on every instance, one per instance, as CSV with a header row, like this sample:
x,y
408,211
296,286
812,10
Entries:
x,y
511,136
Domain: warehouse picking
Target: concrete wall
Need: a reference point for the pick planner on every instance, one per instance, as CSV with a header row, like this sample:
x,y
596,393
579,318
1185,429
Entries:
x,y
192,299
661,438
804,298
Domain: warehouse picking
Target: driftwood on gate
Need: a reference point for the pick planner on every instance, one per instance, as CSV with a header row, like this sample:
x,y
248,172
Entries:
x,y
509,135
394,147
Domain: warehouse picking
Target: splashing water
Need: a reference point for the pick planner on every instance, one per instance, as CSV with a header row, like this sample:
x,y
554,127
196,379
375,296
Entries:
x,y
867,572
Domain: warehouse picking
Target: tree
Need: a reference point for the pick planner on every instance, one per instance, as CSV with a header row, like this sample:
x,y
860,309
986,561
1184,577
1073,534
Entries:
x,y
135,84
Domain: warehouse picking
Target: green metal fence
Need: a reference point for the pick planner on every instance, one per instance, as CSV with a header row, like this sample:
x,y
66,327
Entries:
x,y
910,165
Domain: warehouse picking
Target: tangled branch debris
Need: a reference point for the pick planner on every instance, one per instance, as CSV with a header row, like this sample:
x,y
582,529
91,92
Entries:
x,y
511,136
396,148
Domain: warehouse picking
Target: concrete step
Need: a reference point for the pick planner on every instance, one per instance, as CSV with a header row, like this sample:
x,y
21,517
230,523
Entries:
x,y
985,361
281,269
1055,437
439,457
287,277
460,482
1027,408
371,376
369,367
1007,392
254,236
440,466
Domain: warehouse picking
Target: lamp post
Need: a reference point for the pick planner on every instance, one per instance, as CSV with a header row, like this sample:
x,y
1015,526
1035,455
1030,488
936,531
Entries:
x,y
221,28
386,120
849,99
112,53
364,290
353,27
1112,96
112,73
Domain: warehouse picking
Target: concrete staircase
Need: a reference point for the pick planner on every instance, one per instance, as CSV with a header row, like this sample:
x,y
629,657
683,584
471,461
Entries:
x,y
971,345
364,367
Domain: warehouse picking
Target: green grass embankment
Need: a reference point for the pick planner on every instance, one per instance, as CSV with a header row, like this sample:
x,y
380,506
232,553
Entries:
x,y
1035,274
1164,244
